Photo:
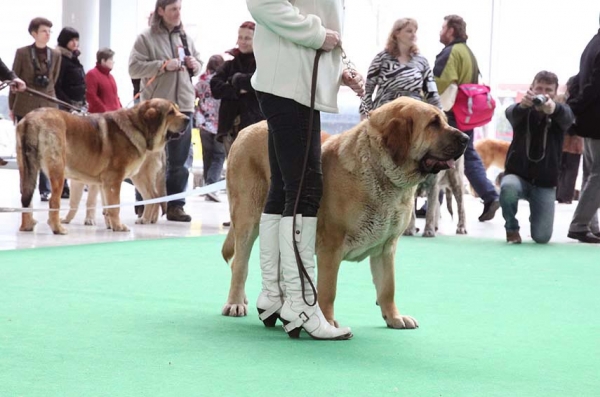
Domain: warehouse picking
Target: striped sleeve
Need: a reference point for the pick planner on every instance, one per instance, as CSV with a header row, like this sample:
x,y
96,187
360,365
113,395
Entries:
x,y
430,90
371,83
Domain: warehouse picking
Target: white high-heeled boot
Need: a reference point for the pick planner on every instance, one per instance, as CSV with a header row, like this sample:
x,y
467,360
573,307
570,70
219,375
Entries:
x,y
270,300
295,313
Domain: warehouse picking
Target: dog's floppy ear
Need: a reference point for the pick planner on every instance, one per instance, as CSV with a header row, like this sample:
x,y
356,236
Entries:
x,y
395,125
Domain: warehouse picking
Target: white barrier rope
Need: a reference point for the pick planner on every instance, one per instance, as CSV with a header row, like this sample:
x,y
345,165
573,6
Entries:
x,y
199,191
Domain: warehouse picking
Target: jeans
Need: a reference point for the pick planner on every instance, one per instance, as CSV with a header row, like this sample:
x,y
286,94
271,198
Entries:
x,y
541,206
177,175
585,217
474,170
288,124
213,157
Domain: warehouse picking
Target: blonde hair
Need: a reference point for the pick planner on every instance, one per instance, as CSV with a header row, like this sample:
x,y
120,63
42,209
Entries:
x,y
392,44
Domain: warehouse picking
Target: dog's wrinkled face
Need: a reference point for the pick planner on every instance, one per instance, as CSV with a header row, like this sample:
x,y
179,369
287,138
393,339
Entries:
x,y
417,135
162,121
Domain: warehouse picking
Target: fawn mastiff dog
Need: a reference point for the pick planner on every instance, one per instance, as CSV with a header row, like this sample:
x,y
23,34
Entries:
x,y
370,175
100,149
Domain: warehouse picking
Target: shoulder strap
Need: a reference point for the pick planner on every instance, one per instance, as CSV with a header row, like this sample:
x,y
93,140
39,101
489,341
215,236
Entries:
x,y
186,49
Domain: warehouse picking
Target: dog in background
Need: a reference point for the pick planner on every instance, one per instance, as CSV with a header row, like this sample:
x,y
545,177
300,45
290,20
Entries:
x,y
98,149
451,181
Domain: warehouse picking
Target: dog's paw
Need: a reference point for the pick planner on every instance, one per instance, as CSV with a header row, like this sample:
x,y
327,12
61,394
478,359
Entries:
x,y
89,222
429,233
58,229
142,221
235,309
461,230
120,228
402,322
409,232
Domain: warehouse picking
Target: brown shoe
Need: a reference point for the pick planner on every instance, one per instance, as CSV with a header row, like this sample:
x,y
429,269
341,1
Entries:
x,y
177,214
2,161
513,237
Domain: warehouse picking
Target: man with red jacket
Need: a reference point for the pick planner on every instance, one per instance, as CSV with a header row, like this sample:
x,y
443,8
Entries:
x,y
101,94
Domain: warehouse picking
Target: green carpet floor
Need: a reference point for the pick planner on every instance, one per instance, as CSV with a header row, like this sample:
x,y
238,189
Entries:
x,y
143,319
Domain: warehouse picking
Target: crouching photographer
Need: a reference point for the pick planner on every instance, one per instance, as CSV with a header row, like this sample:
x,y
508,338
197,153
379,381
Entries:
x,y
533,160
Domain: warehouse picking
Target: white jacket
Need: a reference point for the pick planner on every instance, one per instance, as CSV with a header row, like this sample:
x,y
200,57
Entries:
x,y
287,35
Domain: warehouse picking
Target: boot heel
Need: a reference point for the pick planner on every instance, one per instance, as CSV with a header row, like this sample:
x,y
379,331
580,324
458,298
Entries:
x,y
270,321
295,333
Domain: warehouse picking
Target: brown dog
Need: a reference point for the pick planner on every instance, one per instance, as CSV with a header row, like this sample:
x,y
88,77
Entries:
x,y
98,149
370,175
151,180
492,152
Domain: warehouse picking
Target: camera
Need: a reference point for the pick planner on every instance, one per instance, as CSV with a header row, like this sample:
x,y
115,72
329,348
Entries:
x,y
539,100
41,81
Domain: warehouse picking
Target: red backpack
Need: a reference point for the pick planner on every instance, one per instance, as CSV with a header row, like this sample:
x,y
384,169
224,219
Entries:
x,y
474,106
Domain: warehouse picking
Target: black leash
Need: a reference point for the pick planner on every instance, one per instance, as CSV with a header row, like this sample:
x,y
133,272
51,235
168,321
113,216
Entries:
x,y
301,269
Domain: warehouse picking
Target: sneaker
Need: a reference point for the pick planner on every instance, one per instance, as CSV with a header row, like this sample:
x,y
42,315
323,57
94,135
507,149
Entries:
x,y
45,196
212,197
139,210
227,224
489,210
177,214
585,237
513,237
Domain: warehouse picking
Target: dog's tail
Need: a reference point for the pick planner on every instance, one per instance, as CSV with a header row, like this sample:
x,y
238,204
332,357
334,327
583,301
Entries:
x,y
28,161
228,249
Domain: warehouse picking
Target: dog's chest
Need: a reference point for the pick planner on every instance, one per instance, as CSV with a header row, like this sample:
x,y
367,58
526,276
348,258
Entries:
x,y
379,223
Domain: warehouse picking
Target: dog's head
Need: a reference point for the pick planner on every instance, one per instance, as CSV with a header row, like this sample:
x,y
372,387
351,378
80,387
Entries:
x,y
417,136
161,121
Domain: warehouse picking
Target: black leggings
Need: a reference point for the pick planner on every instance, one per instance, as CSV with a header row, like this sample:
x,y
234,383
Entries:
x,y
288,124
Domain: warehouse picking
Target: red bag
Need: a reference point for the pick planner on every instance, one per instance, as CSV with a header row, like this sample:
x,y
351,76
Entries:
x,y
474,106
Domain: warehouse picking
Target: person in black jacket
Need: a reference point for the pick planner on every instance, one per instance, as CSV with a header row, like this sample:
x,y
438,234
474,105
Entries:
x,y
231,84
533,159
70,86
16,84
585,102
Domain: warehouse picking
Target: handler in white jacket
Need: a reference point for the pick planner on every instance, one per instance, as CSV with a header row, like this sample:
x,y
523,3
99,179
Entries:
x,y
288,34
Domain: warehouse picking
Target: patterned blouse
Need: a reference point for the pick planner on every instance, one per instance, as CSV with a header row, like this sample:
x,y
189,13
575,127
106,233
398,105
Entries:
x,y
206,114
394,80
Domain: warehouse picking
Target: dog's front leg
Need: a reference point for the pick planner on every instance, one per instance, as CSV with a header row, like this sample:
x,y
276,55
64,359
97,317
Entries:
x,y
112,195
411,230
57,180
74,199
382,269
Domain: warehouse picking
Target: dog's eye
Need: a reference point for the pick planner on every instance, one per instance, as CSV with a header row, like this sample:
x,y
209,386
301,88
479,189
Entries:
x,y
172,112
435,123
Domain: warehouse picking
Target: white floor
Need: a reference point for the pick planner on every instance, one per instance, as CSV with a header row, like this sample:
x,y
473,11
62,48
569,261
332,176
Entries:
x,y
207,218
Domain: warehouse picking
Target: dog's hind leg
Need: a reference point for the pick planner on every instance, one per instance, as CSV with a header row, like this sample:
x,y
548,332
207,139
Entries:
x,y
112,195
245,233
56,175
29,167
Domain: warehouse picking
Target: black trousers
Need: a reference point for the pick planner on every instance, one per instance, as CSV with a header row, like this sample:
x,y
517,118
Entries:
x,y
288,124
567,177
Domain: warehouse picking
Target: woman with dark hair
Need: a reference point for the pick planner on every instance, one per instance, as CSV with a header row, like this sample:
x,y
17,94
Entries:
x,y
206,118
239,105
70,86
